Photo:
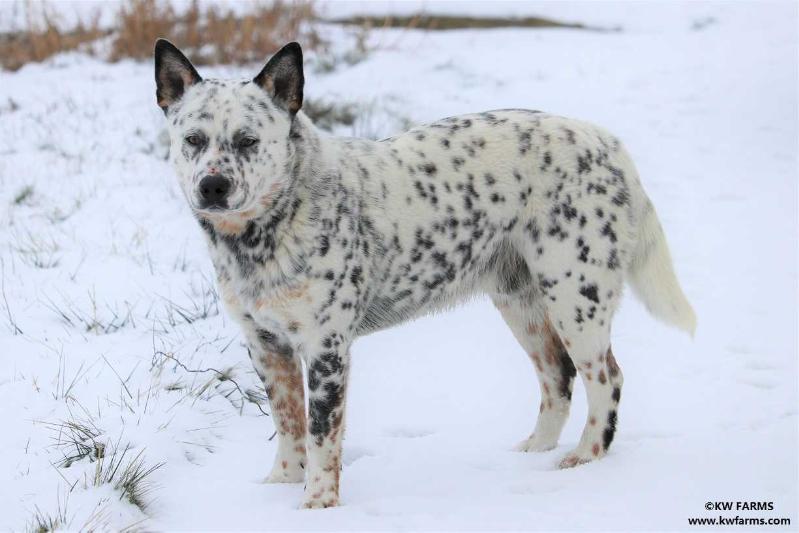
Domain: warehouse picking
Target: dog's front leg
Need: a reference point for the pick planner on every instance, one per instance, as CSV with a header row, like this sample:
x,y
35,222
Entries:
x,y
281,372
327,385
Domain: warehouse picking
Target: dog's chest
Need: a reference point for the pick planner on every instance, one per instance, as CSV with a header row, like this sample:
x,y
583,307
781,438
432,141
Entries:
x,y
269,291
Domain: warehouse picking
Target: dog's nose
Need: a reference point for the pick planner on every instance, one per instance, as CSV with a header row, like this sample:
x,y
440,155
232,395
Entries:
x,y
214,190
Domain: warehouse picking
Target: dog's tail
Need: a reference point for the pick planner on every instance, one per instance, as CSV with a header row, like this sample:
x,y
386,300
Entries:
x,y
651,275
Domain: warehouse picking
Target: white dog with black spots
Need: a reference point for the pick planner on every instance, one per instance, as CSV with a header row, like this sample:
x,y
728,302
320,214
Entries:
x,y
317,240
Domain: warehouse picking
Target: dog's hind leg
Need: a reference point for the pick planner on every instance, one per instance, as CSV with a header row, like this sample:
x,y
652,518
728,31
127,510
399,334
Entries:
x,y
529,324
580,308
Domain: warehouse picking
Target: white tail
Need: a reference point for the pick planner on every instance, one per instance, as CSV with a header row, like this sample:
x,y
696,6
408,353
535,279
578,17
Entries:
x,y
651,276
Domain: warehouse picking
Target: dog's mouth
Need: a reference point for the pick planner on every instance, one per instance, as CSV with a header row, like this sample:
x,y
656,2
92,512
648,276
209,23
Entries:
x,y
219,209
213,210
232,218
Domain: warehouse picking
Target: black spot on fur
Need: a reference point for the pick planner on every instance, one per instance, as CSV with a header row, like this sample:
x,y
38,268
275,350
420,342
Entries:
x,y
610,430
613,260
616,396
590,292
621,198
607,231
567,372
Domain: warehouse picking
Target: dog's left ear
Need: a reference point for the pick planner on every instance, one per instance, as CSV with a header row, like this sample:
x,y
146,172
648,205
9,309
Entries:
x,y
282,78
174,73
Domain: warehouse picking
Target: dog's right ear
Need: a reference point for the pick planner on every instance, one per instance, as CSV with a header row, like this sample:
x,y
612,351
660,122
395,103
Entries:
x,y
174,73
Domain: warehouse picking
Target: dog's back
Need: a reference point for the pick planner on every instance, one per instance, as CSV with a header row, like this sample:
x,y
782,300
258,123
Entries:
x,y
495,202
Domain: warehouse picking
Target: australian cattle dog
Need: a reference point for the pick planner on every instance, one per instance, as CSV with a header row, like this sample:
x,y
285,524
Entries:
x,y
317,240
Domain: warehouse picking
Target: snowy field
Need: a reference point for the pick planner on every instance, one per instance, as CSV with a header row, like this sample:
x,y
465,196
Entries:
x,y
109,313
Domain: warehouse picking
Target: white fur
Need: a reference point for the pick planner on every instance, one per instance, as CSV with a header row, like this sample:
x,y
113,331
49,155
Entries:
x,y
651,276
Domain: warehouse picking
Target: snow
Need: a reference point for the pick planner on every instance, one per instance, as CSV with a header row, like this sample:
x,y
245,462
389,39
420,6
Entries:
x,y
704,95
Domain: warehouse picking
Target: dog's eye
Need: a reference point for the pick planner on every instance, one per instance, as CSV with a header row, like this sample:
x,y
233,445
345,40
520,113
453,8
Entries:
x,y
194,139
247,142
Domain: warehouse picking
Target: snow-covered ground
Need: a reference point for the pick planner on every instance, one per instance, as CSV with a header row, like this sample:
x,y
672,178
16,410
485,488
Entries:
x,y
107,309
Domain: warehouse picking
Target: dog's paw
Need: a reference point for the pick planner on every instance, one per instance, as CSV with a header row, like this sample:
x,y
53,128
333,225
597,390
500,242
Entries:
x,y
571,460
320,493
535,444
323,501
580,457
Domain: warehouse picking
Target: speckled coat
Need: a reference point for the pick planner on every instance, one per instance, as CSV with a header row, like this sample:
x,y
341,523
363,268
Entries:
x,y
318,240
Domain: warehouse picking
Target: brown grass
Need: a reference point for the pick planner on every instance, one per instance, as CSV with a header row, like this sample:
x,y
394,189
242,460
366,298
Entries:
x,y
208,34
42,37
213,34
139,24
457,22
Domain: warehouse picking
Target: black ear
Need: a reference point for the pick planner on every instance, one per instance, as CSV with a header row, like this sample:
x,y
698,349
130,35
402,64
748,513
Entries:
x,y
173,73
282,78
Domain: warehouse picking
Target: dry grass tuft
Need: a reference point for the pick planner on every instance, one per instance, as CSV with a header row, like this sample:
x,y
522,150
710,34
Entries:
x,y
43,37
139,24
76,440
212,34
208,33
265,30
131,480
423,21
327,115
42,522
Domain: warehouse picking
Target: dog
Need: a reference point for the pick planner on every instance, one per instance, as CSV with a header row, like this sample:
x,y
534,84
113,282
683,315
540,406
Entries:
x,y
318,240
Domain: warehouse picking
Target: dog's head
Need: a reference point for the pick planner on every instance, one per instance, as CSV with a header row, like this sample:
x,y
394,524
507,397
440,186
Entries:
x,y
230,141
